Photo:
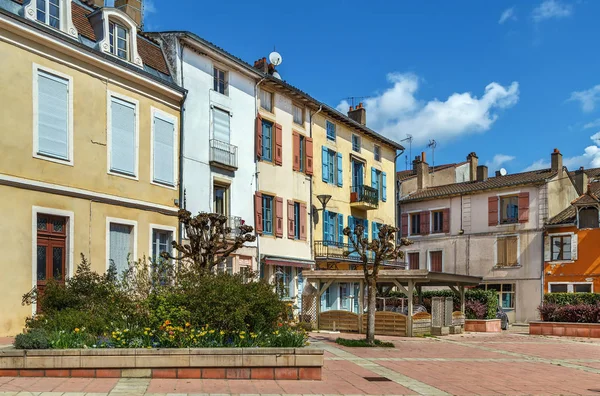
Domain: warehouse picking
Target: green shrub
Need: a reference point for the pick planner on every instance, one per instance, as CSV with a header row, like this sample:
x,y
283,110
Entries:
x,y
489,298
572,298
33,339
363,343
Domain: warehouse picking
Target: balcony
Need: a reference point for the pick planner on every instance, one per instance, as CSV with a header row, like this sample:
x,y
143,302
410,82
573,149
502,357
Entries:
x,y
364,197
223,155
334,251
234,222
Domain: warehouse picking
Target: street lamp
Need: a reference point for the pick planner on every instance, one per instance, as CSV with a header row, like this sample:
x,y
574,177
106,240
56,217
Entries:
x,y
324,199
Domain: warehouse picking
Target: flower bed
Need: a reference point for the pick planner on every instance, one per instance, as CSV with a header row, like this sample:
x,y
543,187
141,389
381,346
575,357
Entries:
x,y
483,325
590,330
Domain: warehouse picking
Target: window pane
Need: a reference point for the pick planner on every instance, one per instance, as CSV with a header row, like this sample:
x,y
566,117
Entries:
x,y
221,125
53,116
42,223
509,207
582,288
266,101
219,200
301,153
41,11
54,14
508,300
164,156
267,144
120,246
298,115
377,153
493,287
41,262
507,287
57,262
123,151
560,288
161,243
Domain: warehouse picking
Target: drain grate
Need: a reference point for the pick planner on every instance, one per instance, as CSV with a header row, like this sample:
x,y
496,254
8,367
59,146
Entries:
x,y
377,379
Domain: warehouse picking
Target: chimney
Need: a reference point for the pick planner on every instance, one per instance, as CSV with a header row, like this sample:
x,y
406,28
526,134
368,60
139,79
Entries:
x,y
498,174
482,173
359,114
422,169
98,3
133,8
557,163
581,181
262,65
473,161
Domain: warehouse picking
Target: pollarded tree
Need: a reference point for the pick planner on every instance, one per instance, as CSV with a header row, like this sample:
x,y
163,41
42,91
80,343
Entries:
x,y
373,255
210,240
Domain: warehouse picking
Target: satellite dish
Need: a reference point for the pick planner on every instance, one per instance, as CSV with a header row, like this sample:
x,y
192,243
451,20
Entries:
x,y
276,75
275,58
503,172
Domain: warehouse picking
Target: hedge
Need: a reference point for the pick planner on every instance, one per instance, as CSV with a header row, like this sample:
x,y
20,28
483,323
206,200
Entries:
x,y
575,313
572,298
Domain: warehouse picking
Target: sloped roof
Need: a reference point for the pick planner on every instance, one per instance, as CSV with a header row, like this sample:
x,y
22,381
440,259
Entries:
x,y
470,187
568,215
410,173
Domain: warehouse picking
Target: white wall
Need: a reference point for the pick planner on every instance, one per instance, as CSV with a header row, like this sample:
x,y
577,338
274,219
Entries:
x,y
197,76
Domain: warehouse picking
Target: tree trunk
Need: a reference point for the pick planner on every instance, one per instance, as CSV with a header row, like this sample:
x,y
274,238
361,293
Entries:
x,y
371,307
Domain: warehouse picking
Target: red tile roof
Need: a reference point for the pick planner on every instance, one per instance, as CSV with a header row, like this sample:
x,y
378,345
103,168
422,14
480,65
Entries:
x,y
568,215
407,174
81,21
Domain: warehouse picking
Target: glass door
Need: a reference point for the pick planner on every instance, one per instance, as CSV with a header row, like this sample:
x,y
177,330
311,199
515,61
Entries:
x,y
51,250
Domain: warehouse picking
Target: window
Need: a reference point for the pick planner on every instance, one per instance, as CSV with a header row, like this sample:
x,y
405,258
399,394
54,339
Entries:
x,y
507,251
53,121
435,261
298,114
588,218
221,125
331,166
267,212
509,209
225,266
51,246
330,130
378,182
438,221
267,141
377,152
120,244
570,287
302,149
161,242
413,261
284,282
220,81
123,139
118,40
333,227
506,293
561,247
296,220
163,149
415,224
221,199
48,12
356,143
266,100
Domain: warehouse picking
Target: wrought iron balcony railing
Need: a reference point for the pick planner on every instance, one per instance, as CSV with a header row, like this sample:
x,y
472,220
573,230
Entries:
x,y
234,222
364,194
223,154
334,251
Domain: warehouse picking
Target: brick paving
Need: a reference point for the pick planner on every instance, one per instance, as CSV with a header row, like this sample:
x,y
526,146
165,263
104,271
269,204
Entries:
x,y
469,364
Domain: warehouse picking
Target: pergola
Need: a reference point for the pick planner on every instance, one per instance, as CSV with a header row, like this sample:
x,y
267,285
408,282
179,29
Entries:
x,y
404,280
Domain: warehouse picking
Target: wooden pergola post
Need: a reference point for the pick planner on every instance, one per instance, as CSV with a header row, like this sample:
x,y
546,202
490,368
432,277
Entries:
x,y
462,299
361,303
411,288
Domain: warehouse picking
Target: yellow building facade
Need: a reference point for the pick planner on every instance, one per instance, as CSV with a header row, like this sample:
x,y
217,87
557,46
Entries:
x,y
90,147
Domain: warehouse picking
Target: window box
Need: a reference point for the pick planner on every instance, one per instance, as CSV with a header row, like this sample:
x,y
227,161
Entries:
x,y
483,325
565,329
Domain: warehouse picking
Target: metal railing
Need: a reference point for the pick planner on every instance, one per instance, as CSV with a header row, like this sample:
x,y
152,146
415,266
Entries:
x,y
365,194
234,222
328,250
223,153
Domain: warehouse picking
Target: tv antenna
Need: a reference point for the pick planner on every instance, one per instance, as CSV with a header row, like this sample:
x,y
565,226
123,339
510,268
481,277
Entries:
x,y
432,144
354,99
408,138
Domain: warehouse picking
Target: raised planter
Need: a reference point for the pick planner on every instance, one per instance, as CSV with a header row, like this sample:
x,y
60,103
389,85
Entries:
x,y
215,363
566,329
483,325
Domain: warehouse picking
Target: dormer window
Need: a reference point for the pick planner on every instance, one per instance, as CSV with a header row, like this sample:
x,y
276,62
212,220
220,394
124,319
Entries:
x,y
588,218
48,12
118,38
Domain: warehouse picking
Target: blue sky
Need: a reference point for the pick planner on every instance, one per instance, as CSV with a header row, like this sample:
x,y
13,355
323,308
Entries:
x,y
510,80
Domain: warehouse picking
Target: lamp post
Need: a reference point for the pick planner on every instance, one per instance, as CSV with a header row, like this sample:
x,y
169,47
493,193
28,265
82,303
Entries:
x,y
324,199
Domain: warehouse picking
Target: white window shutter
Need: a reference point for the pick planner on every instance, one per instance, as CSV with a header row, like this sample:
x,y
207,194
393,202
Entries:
x,y
574,247
123,153
547,248
120,246
53,116
221,126
164,143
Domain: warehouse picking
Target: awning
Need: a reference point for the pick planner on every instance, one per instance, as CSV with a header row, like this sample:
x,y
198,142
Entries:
x,y
288,262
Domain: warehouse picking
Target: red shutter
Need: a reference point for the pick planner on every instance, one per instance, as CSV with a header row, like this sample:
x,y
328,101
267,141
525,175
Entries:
x,y
303,222
425,223
492,211
258,136
309,156
405,224
446,225
290,222
296,148
279,217
278,148
523,207
258,216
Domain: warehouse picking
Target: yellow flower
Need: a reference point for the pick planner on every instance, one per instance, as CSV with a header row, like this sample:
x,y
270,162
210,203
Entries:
x,y
242,332
253,335
147,328
125,331
242,337
145,333
76,330
211,331
222,332
276,332
187,324
119,339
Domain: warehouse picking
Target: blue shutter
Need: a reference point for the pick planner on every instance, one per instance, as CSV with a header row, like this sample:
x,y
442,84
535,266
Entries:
x,y
374,178
341,228
383,187
351,225
366,230
163,158
123,151
340,172
325,164
53,116
325,226
374,231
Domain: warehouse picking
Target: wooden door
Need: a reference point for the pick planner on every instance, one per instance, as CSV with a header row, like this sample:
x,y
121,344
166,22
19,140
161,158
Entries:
x,y
51,250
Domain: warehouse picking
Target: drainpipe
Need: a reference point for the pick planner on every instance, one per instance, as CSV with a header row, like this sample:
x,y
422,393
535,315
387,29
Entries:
x,y
397,212
312,236
181,140
258,263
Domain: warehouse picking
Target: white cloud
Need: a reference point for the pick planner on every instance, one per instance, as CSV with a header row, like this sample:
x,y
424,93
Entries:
x,y
149,7
507,15
588,98
498,161
589,159
549,9
592,124
397,112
